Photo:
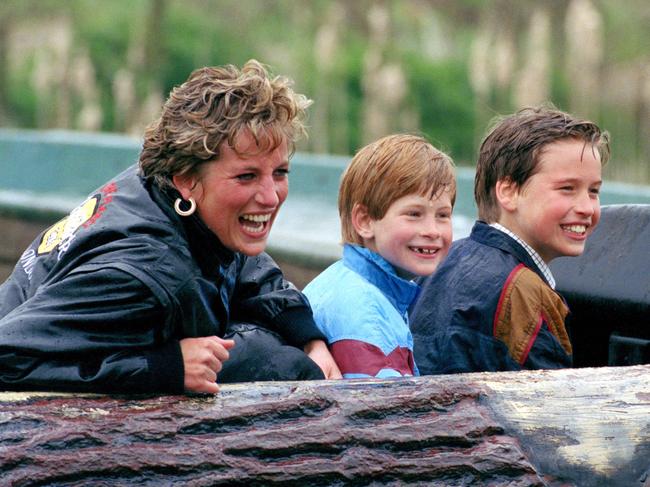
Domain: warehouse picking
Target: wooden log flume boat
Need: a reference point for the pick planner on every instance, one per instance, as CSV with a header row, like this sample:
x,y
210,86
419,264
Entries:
x,y
573,427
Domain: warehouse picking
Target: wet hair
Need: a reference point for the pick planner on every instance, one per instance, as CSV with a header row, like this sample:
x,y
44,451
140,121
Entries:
x,y
215,105
514,145
388,169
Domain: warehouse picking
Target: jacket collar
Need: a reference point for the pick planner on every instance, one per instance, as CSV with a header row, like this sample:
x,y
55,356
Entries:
x,y
539,262
492,237
380,273
204,245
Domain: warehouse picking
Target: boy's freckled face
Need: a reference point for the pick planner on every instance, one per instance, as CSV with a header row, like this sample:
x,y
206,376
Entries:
x,y
558,207
415,233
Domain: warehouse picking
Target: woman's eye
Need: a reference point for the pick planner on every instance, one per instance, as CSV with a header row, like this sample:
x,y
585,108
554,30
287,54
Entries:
x,y
246,176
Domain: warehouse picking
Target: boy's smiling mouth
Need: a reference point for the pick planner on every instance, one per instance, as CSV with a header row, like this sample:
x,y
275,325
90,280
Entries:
x,y
424,250
576,229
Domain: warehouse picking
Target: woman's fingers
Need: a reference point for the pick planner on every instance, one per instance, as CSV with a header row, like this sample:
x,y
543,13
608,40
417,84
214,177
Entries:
x,y
219,347
203,358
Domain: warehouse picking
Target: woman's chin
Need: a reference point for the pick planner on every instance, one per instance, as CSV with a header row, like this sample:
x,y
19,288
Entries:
x,y
252,249
245,240
251,252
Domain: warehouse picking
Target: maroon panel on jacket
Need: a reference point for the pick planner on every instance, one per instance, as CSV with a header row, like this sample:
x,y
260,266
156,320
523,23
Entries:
x,y
356,357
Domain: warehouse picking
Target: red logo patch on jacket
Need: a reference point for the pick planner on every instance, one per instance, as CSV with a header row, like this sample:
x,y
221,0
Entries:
x,y
62,232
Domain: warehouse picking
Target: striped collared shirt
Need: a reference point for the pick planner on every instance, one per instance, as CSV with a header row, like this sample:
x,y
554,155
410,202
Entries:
x,y
541,265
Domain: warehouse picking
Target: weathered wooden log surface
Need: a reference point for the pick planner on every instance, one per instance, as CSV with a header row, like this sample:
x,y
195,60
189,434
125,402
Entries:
x,y
578,427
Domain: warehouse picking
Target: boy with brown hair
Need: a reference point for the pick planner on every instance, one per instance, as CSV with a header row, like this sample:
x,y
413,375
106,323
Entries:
x,y
492,306
395,203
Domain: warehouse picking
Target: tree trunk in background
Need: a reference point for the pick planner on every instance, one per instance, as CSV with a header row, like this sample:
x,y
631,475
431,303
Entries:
x,y
137,89
533,85
4,67
479,74
383,80
327,90
557,10
584,57
84,86
153,34
580,427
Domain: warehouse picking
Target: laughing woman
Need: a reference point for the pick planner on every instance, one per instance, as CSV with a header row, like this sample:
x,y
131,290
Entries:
x,y
158,281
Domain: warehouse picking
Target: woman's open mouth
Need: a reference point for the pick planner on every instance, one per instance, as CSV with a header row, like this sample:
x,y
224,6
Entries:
x,y
255,223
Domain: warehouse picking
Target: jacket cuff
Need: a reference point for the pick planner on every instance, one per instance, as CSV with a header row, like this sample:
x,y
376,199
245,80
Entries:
x,y
166,369
297,326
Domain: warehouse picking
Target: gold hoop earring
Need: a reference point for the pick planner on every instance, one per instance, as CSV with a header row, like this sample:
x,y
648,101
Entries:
x,y
189,211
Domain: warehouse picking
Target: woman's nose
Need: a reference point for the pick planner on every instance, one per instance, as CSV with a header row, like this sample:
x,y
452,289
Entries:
x,y
267,193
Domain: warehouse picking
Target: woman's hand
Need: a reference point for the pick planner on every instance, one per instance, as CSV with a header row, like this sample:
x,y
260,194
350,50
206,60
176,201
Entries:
x,y
202,359
317,351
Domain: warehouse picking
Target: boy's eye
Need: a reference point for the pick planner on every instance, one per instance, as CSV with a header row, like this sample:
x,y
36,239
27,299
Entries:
x,y
414,213
282,173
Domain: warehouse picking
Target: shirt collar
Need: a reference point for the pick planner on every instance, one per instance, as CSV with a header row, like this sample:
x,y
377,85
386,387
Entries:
x,y
541,265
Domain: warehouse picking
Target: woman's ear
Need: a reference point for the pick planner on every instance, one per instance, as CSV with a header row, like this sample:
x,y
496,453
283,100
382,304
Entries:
x,y
362,222
506,192
184,183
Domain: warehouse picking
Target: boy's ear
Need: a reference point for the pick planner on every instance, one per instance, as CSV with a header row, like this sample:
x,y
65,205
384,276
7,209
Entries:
x,y
362,222
506,192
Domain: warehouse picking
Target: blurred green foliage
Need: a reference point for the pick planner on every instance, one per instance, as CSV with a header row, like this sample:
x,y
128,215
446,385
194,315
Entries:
x,y
441,90
161,41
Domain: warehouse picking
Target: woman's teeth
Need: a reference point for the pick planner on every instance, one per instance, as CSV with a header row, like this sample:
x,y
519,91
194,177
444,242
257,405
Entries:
x,y
255,223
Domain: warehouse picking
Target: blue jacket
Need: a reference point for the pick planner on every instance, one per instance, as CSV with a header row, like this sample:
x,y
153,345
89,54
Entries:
x,y
488,308
100,301
361,305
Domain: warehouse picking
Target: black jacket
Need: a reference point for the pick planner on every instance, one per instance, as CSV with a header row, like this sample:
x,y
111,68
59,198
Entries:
x,y
100,301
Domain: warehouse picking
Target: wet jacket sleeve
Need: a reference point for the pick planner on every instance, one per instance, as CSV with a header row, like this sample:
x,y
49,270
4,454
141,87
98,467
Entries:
x,y
530,321
96,329
460,349
263,296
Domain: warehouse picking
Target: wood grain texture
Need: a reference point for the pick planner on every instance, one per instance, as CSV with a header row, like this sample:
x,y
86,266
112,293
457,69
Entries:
x,y
571,427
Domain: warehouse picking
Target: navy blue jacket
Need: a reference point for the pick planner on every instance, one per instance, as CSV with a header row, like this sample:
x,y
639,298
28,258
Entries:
x,y
100,301
488,308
